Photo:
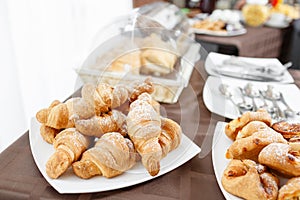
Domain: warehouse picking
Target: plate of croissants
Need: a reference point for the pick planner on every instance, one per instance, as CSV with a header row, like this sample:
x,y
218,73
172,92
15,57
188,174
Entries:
x,y
254,158
108,138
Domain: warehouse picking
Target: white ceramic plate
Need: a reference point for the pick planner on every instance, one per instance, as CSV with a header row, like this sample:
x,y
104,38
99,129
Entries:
x,y
215,59
272,24
219,33
70,183
217,103
220,145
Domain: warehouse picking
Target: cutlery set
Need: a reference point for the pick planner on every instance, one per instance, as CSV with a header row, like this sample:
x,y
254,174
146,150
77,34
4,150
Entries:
x,y
251,98
238,68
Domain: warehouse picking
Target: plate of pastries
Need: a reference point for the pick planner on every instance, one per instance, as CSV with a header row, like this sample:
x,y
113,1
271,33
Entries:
x,y
217,28
254,158
108,138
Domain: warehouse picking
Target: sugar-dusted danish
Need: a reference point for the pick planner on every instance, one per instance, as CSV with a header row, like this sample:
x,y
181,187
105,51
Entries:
x,y
249,180
287,129
235,125
281,157
251,128
249,147
294,142
291,190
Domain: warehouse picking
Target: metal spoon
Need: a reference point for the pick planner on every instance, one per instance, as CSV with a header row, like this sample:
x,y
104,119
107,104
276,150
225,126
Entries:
x,y
273,97
248,89
223,88
244,103
288,111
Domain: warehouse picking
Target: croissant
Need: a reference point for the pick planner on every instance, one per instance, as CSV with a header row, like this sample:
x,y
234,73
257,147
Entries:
x,y
112,155
60,115
69,144
105,97
113,121
137,88
234,126
55,116
48,133
170,136
282,158
249,180
144,129
291,190
79,108
250,147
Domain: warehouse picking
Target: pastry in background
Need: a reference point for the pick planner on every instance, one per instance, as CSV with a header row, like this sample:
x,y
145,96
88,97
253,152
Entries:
x,y
290,190
250,180
282,158
288,130
235,125
251,128
250,147
129,62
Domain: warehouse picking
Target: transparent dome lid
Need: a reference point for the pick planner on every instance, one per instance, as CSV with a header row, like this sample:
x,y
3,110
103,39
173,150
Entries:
x,y
135,47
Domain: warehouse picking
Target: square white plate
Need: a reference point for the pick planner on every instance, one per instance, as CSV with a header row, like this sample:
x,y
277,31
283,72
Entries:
x,y
217,103
70,183
216,59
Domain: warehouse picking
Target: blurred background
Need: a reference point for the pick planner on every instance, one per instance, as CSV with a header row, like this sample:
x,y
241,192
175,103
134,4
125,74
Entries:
x,y
42,42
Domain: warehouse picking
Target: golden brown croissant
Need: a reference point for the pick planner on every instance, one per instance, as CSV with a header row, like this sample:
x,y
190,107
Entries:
x,y
113,121
55,116
78,108
170,136
69,144
137,88
112,155
234,126
249,180
48,133
144,129
106,97
291,190
282,158
249,147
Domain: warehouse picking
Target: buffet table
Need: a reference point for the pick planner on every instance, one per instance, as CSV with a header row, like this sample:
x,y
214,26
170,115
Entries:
x,y
21,179
260,42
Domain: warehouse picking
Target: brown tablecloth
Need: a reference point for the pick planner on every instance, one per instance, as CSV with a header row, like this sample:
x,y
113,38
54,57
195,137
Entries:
x,y
257,42
21,179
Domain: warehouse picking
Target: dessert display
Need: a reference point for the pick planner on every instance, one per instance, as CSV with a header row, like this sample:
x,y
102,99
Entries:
x,y
261,154
125,58
107,130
